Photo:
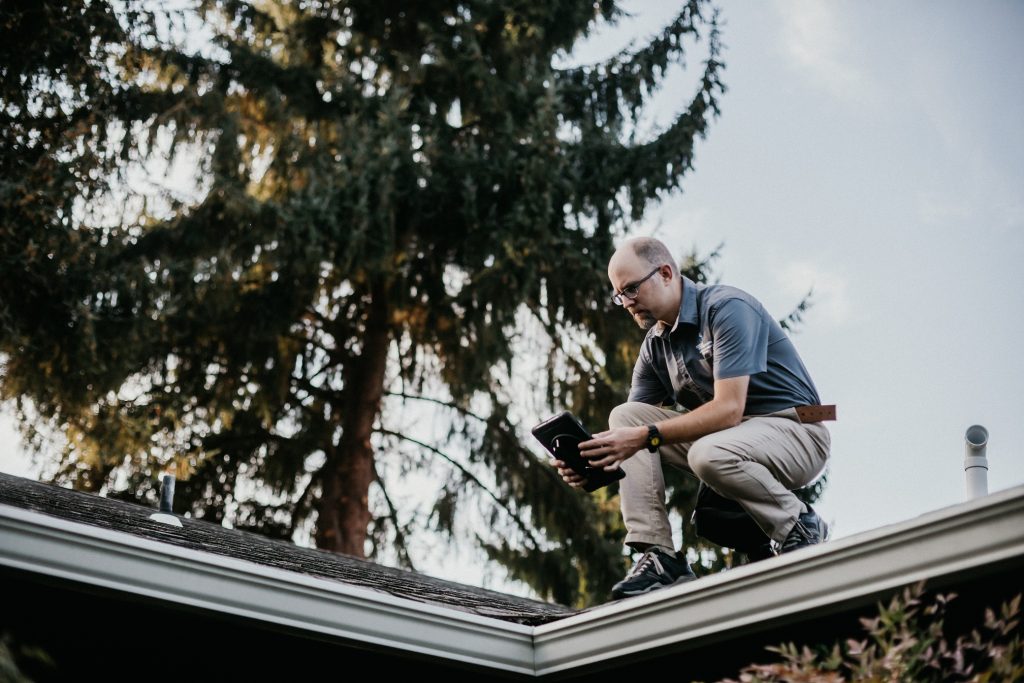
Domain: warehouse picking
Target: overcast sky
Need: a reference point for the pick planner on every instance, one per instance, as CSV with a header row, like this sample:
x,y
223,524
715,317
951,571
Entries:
x,y
873,151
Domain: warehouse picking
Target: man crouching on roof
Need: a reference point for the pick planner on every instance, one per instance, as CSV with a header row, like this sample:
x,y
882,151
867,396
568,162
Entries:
x,y
714,350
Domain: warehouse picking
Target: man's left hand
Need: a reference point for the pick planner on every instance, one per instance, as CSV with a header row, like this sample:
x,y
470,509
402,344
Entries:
x,y
608,449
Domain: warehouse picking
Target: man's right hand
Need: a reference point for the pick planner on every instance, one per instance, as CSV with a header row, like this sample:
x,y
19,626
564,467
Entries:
x,y
569,475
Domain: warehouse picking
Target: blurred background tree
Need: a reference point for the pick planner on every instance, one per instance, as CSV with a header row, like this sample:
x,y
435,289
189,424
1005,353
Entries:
x,y
62,149
388,262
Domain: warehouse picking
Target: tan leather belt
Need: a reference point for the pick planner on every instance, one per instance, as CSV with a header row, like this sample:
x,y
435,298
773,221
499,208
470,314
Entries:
x,y
816,413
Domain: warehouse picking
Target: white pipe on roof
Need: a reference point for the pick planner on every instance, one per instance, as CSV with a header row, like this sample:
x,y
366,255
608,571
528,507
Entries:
x,y
976,462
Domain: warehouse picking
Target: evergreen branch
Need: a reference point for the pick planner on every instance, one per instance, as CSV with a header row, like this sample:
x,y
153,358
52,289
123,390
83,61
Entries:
x,y
796,316
440,402
648,169
307,340
401,547
600,90
503,433
301,501
459,409
305,385
310,311
655,51
320,371
698,268
472,477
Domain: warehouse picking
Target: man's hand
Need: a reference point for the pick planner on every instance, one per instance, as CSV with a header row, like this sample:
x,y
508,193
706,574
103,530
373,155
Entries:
x,y
569,475
608,449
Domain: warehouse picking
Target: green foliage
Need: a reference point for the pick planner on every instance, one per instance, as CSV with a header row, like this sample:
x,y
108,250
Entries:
x,y
58,92
907,641
394,205
13,654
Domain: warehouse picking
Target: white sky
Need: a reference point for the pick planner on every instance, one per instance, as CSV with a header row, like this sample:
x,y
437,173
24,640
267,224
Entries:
x,y
873,150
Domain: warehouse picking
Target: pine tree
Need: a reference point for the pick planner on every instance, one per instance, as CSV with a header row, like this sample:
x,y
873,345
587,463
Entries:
x,y
59,149
395,202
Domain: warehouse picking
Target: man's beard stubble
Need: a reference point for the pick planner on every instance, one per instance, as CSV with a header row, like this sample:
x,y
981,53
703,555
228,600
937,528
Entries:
x,y
645,320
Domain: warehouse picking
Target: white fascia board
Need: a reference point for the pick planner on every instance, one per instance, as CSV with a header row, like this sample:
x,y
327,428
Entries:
x,y
39,543
812,581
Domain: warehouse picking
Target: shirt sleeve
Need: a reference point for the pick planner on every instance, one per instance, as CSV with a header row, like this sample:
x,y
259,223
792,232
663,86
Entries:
x,y
645,386
740,340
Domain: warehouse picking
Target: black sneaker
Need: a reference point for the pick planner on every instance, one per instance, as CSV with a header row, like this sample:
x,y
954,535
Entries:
x,y
808,530
655,569
761,552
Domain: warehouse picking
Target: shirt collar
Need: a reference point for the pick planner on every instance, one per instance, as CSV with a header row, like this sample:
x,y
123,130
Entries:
x,y
687,308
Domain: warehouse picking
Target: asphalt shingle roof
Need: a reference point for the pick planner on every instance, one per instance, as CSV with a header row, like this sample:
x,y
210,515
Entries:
x,y
116,515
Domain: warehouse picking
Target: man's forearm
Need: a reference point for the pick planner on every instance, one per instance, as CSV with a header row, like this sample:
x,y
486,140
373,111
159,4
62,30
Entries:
x,y
709,418
608,449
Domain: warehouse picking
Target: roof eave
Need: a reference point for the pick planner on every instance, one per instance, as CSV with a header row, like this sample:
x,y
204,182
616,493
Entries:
x,y
54,547
964,540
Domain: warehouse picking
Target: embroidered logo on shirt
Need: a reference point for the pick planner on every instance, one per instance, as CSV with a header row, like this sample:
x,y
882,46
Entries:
x,y
704,347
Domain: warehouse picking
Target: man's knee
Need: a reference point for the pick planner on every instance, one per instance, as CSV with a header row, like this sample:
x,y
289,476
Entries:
x,y
707,460
628,414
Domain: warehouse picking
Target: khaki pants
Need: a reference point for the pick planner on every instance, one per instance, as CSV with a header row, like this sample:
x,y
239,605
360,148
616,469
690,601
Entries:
x,y
756,463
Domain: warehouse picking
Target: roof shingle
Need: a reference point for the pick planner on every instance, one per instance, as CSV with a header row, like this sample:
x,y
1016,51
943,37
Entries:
x,y
200,535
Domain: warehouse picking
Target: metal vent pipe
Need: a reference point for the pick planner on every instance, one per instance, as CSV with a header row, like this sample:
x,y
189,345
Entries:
x,y
975,461
167,494
166,514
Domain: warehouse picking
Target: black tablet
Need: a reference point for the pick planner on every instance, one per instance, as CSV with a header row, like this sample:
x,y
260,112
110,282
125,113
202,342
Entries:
x,y
561,436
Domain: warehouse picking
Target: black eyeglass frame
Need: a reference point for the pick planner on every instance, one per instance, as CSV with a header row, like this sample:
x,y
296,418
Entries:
x,y
632,291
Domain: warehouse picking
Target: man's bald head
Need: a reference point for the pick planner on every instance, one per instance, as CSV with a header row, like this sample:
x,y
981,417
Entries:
x,y
647,251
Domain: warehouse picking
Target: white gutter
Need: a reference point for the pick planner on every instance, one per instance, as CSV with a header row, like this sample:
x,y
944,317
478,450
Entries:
x,y
39,543
969,537
812,581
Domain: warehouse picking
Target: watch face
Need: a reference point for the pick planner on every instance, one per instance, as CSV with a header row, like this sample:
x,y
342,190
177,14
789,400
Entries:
x,y
653,438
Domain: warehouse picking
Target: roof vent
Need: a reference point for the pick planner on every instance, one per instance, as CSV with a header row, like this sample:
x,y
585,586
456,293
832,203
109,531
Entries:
x,y
975,462
166,514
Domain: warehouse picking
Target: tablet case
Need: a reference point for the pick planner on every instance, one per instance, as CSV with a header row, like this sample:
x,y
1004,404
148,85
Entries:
x,y
561,436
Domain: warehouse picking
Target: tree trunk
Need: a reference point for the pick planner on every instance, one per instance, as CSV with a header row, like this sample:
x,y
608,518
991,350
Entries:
x,y
343,510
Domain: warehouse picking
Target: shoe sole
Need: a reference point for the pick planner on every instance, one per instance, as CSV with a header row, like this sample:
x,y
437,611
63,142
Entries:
x,y
653,587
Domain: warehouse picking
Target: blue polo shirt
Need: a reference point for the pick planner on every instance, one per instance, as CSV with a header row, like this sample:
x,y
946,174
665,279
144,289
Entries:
x,y
721,332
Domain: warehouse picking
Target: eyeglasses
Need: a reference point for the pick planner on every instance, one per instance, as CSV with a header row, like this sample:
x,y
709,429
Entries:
x,y
631,291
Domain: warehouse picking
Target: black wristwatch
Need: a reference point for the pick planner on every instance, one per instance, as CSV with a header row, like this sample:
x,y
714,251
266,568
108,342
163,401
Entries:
x,y
653,438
